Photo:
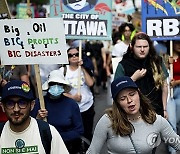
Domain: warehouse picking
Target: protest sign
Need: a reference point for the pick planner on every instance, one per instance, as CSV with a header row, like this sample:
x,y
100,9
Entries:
x,y
161,18
161,21
33,41
84,19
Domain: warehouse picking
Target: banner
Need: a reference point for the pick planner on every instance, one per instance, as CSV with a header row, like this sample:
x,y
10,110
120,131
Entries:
x,y
4,10
161,18
21,9
84,19
32,41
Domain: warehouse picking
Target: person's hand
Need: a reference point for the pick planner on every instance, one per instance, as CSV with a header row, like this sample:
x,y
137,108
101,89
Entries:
x,y
104,65
42,113
165,114
3,82
171,60
96,72
173,83
1,105
80,62
138,74
77,97
108,72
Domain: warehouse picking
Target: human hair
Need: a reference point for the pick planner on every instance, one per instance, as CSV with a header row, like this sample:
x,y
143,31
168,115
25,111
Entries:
x,y
77,48
72,47
120,123
122,30
124,25
66,88
152,58
176,44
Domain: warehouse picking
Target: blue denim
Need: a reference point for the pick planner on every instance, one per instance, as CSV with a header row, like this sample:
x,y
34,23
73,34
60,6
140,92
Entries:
x,y
173,109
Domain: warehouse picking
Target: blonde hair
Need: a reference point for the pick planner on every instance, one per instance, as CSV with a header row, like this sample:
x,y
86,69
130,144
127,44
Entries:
x,y
158,76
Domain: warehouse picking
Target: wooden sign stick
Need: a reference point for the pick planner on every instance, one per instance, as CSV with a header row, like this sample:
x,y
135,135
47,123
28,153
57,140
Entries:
x,y
171,67
79,69
37,71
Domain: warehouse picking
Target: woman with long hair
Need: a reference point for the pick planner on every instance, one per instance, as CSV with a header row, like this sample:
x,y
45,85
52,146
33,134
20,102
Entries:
x,y
131,125
147,69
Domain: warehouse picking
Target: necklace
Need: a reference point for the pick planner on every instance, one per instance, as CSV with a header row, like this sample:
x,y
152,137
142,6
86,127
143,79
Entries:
x,y
134,119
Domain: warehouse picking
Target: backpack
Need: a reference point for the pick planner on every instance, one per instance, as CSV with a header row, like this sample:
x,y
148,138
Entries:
x,y
45,134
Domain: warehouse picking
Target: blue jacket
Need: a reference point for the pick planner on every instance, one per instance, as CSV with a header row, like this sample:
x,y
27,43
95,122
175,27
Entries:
x,y
64,115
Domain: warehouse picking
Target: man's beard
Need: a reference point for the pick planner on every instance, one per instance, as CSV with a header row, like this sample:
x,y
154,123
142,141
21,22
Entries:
x,y
18,123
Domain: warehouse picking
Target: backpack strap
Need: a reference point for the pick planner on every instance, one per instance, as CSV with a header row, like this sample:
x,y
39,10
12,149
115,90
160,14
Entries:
x,y
45,134
1,127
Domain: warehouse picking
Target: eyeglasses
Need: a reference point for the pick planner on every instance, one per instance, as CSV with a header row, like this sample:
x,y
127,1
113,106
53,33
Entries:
x,y
22,104
72,55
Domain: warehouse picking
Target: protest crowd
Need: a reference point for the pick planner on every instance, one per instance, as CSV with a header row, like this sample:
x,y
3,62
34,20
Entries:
x,y
49,108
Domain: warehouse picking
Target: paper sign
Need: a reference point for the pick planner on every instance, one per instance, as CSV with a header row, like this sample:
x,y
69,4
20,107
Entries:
x,y
85,19
161,18
32,41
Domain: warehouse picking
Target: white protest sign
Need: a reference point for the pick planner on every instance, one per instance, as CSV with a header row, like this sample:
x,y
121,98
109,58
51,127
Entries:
x,y
33,41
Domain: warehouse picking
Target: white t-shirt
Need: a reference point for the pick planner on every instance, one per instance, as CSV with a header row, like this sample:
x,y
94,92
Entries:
x,y
29,141
87,96
119,49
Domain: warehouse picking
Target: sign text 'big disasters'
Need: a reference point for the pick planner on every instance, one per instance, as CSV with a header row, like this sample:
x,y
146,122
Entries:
x,y
33,41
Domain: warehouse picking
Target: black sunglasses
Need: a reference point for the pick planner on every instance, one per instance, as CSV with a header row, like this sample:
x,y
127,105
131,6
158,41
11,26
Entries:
x,y
72,55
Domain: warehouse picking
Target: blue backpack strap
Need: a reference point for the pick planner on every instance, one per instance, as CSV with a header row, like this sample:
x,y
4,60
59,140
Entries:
x,y
45,134
1,127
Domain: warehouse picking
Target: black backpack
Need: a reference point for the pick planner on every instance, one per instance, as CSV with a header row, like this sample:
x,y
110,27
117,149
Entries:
x,y
45,134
